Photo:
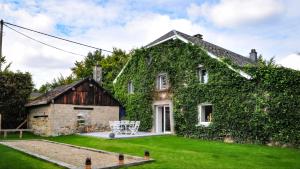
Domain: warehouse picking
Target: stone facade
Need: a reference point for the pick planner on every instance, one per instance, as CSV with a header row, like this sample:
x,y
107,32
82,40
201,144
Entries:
x,y
38,120
62,119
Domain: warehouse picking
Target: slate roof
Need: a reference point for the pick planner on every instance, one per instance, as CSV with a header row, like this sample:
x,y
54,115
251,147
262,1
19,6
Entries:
x,y
52,94
209,47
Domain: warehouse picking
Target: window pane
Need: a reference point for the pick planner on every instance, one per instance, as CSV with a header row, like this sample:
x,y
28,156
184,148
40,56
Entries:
x,y
199,74
205,114
208,111
130,87
162,82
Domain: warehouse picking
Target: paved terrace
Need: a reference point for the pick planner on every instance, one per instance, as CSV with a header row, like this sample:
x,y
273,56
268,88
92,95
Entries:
x,y
121,136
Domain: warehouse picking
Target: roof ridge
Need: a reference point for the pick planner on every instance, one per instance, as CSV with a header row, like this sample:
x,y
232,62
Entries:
x,y
216,46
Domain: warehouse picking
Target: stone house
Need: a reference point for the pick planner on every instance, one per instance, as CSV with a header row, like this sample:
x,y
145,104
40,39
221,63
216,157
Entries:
x,y
162,91
82,106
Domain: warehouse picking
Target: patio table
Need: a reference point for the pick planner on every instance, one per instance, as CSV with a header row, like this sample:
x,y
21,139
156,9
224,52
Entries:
x,y
125,127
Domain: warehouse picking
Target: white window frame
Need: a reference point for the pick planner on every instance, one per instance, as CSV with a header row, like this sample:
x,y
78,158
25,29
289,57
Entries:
x,y
200,120
159,82
200,74
130,87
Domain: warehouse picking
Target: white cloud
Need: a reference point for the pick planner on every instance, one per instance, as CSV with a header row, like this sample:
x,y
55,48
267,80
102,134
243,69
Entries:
x,y
113,24
291,61
231,13
95,28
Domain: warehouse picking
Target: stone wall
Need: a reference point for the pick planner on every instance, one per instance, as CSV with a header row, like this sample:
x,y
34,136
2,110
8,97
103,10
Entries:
x,y
63,118
38,120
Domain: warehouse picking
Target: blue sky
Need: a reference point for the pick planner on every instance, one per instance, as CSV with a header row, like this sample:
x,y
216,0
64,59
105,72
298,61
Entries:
x,y
270,26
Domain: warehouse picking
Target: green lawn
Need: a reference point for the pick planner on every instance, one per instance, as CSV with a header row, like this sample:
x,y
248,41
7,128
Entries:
x,y
173,152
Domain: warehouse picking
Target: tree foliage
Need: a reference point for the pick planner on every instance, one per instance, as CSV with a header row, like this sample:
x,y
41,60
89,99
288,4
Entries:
x,y
111,66
259,110
2,62
15,88
56,82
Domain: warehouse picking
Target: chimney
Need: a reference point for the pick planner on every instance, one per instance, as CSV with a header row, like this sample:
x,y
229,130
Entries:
x,y
253,55
199,36
97,74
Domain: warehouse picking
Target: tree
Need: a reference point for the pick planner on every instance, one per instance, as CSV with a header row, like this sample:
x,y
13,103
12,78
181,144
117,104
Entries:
x,y
15,88
111,66
263,62
84,68
2,62
56,82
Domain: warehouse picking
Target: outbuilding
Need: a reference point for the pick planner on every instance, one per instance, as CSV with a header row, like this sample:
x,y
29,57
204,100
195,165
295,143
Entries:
x,y
83,106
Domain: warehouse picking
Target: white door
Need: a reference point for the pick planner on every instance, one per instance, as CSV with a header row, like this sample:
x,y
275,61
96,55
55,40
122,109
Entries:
x,y
163,123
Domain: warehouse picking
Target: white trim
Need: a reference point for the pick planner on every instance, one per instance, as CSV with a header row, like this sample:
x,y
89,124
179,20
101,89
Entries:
x,y
175,36
159,81
200,123
115,80
154,108
242,73
164,116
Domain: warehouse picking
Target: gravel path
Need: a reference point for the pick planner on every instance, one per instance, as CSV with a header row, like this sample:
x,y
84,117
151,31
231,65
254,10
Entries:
x,y
70,155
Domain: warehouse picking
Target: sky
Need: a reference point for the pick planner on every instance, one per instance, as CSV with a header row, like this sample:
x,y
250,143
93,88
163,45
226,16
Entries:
x,y
272,27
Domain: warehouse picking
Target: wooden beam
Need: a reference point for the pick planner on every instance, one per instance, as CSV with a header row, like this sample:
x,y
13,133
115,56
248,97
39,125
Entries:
x,y
22,124
0,123
21,133
15,130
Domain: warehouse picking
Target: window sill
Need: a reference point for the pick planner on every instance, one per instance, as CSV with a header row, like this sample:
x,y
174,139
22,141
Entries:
x,y
205,124
162,90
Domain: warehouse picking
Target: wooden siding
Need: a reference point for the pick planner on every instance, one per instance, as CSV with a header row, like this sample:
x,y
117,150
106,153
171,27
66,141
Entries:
x,y
87,93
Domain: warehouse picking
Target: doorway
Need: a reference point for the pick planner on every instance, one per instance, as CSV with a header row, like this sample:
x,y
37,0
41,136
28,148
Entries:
x,y
163,119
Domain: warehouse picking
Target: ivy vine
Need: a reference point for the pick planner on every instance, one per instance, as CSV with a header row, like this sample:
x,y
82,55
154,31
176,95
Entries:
x,y
259,110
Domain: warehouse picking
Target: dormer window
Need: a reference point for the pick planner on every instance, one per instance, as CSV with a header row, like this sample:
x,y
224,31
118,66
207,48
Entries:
x,y
130,87
162,82
202,74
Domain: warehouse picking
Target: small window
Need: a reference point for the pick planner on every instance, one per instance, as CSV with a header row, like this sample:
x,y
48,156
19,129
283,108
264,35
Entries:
x,y
80,119
162,82
205,114
130,87
202,74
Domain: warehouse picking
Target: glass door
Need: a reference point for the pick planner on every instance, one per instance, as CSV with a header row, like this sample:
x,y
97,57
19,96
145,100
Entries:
x,y
163,123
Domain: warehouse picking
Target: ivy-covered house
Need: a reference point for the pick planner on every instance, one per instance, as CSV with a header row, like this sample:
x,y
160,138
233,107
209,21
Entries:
x,y
185,85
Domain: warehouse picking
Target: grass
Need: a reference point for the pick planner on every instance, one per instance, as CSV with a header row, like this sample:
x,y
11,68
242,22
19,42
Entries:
x,y
173,152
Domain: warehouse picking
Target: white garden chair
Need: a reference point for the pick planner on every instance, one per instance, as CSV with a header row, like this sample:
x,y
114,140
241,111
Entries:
x,y
124,126
115,126
135,128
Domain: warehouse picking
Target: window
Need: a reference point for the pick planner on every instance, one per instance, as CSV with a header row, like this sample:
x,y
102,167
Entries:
x,y
202,74
130,87
80,119
162,82
205,114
